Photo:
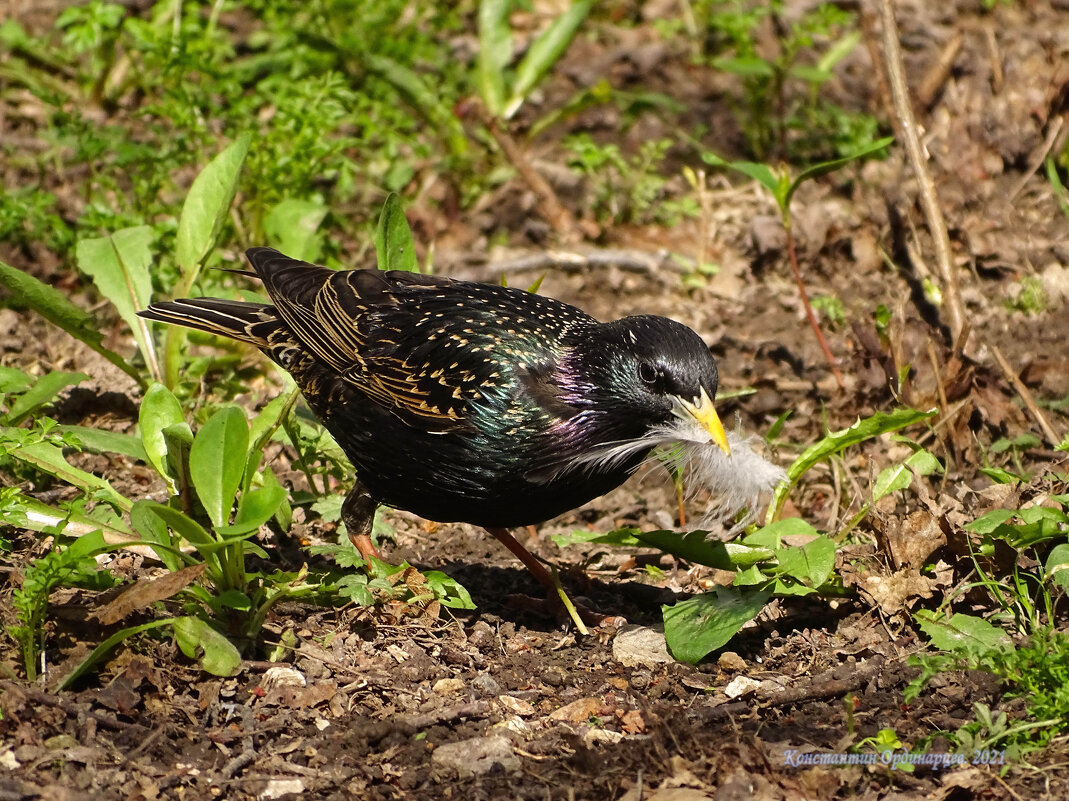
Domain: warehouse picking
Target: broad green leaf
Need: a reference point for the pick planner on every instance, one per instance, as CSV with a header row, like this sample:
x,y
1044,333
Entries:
x,y
900,476
696,546
837,441
99,440
1057,567
48,458
771,536
255,508
217,462
22,511
206,208
495,52
55,307
14,380
697,626
153,528
292,226
215,653
449,592
159,410
119,266
810,564
621,536
394,245
354,586
42,393
544,52
964,634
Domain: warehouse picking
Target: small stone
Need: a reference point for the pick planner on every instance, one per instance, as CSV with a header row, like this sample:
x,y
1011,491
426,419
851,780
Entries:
x,y
487,684
741,685
731,662
282,677
517,706
276,788
476,756
639,646
448,687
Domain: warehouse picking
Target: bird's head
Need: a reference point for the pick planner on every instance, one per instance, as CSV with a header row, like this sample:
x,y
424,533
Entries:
x,y
649,375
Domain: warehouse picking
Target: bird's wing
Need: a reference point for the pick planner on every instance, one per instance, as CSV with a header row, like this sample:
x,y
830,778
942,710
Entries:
x,y
428,348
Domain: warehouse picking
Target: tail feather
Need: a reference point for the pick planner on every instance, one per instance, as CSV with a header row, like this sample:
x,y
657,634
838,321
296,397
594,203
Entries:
x,y
246,322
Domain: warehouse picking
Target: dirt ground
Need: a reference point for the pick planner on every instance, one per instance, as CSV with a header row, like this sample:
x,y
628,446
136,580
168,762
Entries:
x,y
501,702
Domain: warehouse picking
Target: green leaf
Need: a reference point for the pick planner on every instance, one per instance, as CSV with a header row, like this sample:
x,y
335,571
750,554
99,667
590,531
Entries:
x,y
964,634
292,226
215,653
449,592
217,462
160,410
192,532
48,458
119,266
42,393
254,509
206,209
837,441
22,511
55,307
394,245
14,380
697,626
696,546
544,52
761,173
152,528
771,536
105,647
745,66
99,440
1057,567
621,536
825,167
495,52
900,476
810,564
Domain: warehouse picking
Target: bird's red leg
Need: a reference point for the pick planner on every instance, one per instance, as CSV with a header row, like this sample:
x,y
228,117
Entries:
x,y
358,514
538,570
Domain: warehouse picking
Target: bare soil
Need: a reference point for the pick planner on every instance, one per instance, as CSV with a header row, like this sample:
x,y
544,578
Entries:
x,y
501,702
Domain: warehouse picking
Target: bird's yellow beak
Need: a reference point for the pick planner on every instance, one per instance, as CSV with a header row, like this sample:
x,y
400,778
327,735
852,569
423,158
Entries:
x,y
705,415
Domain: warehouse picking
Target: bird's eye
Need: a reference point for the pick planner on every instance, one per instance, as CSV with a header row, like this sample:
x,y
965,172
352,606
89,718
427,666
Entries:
x,y
647,373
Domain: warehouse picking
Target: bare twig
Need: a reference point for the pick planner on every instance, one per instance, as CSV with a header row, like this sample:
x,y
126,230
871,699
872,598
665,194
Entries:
x,y
938,72
907,129
1026,396
809,310
1040,155
549,206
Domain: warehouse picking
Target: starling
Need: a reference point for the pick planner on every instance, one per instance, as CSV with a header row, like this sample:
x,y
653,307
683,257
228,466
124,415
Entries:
x,y
469,402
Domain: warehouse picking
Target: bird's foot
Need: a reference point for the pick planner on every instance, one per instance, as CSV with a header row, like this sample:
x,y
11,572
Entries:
x,y
358,515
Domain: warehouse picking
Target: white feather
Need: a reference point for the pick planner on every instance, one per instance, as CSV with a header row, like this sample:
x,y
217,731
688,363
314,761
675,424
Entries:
x,y
736,482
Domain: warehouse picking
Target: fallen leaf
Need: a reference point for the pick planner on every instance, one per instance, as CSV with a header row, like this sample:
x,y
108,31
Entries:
x,y
146,592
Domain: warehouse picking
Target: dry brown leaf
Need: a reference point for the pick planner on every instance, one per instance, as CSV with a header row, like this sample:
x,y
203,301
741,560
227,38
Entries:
x,y
146,592
578,711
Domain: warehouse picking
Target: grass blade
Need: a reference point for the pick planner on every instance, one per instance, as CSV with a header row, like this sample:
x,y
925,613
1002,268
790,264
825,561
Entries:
x,y
544,52
495,52
55,307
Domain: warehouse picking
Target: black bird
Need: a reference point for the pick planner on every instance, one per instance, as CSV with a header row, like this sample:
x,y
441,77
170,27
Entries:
x,y
469,402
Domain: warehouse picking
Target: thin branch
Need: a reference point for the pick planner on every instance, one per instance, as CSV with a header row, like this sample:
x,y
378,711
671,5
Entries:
x,y
907,125
1026,396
